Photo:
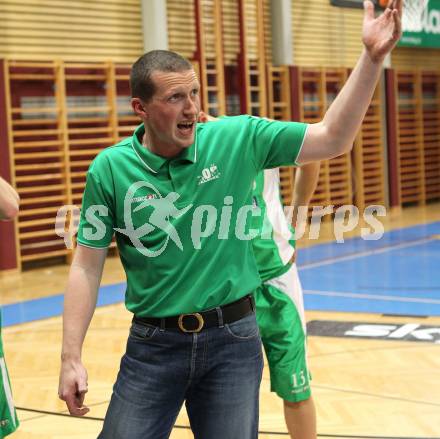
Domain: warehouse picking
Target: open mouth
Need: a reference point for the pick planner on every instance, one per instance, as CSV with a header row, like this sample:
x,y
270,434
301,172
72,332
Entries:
x,y
186,127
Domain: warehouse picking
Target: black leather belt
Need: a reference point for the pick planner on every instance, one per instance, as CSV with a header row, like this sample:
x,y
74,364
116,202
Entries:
x,y
196,321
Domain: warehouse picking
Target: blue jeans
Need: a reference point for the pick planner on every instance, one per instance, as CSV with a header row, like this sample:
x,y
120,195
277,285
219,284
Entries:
x,y
217,372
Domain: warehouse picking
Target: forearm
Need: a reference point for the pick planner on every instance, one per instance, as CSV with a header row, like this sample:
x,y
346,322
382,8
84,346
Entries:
x,y
9,200
306,180
79,305
345,115
335,134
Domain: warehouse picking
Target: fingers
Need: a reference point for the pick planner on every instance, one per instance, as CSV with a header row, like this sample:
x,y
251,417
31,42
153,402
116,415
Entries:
x,y
396,5
80,396
368,10
75,404
387,13
399,7
82,389
397,24
392,12
73,392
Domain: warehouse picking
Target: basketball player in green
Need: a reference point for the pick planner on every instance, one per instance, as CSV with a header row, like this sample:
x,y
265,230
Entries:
x,y
9,201
279,299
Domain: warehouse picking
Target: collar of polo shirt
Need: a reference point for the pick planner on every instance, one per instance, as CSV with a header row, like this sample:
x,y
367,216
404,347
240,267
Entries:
x,y
154,162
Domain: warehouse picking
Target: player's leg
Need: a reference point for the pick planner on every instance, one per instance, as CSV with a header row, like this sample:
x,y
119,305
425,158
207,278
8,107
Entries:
x,y
150,387
300,418
280,316
8,417
222,403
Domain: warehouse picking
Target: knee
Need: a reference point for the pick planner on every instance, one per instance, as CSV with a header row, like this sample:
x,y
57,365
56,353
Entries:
x,y
296,404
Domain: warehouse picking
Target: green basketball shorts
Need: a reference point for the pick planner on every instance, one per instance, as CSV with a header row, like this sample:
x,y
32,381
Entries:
x,y
280,316
8,416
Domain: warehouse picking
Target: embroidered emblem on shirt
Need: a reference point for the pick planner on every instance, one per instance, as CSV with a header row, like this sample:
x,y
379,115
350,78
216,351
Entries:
x,y
209,174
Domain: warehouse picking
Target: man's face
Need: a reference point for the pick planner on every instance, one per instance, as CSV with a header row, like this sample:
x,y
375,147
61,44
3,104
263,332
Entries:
x,y
171,114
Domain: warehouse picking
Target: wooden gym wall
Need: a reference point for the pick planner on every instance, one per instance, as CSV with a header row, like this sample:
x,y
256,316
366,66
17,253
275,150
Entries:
x,y
267,19
417,120
231,31
59,116
182,35
326,43
329,36
416,82
76,30
195,31
325,35
411,58
61,113
228,39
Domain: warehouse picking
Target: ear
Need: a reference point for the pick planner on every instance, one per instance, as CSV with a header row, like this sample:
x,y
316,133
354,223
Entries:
x,y
139,108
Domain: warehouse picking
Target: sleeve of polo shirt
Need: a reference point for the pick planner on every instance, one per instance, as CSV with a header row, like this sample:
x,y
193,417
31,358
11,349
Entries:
x,y
276,143
97,217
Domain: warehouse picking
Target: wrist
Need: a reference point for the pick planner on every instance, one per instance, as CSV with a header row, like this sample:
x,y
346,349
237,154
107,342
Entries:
x,y
375,59
67,356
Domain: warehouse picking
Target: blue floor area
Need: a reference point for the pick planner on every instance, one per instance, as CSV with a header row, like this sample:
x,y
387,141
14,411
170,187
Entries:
x,y
52,306
397,274
352,246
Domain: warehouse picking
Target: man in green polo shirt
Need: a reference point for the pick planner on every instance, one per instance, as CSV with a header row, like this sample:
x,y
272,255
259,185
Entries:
x,y
194,337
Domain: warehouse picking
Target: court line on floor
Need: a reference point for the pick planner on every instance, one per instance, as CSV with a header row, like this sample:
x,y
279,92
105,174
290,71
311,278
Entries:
x,y
365,253
375,349
187,427
372,296
375,395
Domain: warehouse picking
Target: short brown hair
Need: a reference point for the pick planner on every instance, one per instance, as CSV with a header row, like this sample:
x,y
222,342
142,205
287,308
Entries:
x,y
141,84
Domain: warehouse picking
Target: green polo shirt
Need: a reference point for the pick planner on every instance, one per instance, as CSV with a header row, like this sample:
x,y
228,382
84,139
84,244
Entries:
x,y
183,225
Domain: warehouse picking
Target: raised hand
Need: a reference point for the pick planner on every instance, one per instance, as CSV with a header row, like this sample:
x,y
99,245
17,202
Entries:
x,y
381,34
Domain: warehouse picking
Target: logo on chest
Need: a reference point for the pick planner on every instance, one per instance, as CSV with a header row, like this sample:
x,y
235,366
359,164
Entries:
x,y
145,197
161,211
208,174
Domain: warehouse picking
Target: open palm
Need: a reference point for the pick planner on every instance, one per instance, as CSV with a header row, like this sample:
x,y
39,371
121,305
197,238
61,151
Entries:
x,y
381,34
